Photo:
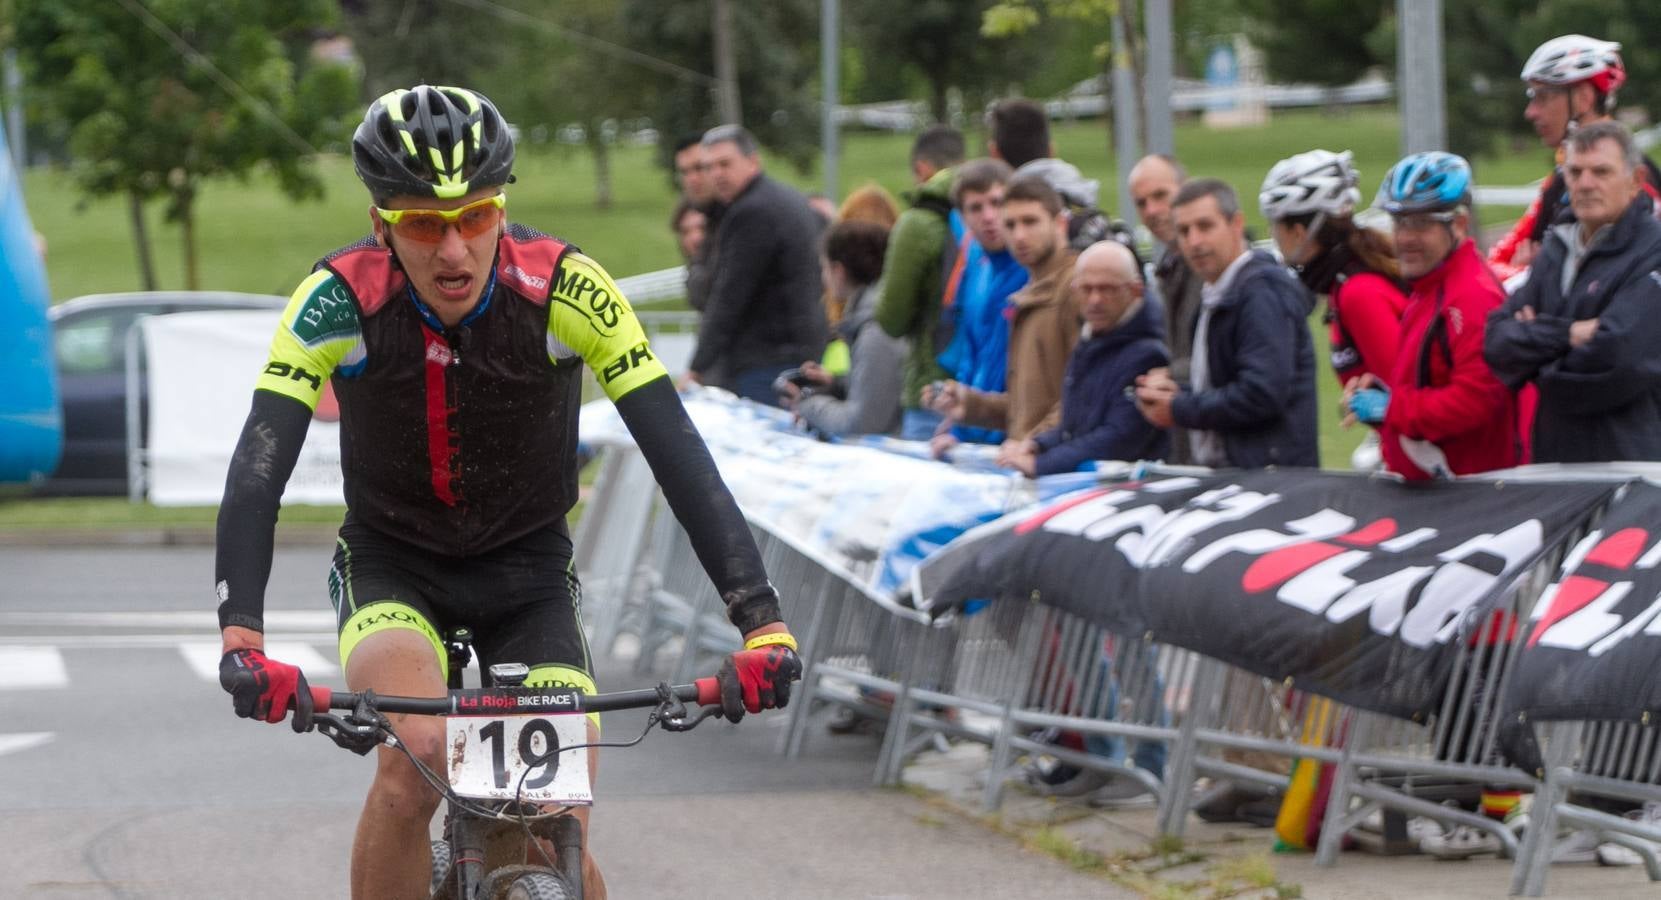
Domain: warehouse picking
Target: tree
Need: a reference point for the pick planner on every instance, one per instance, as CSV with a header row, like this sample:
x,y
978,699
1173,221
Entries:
x,y
1013,17
409,42
158,98
1285,30
942,42
554,72
778,58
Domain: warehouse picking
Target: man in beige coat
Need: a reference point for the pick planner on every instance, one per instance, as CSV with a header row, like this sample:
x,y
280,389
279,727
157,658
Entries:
x,y
1043,328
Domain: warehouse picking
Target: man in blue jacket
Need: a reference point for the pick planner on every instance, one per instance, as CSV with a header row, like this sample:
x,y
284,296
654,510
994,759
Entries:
x,y
1250,402
1122,339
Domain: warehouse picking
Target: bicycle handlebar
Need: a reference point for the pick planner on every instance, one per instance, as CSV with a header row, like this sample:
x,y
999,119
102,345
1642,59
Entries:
x,y
486,701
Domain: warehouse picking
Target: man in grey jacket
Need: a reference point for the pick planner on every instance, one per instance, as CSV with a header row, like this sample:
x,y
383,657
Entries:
x,y
1586,327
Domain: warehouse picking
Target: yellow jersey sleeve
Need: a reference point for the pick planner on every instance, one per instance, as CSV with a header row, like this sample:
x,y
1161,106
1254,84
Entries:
x,y
589,317
319,332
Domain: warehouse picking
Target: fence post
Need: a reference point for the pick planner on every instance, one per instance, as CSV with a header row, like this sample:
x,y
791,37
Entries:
x,y
1202,707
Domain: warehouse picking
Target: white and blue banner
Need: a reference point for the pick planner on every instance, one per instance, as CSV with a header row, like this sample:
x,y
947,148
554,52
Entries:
x,y
870,510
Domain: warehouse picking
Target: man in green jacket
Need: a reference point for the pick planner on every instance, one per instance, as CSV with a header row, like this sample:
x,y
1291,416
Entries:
x,y
913,274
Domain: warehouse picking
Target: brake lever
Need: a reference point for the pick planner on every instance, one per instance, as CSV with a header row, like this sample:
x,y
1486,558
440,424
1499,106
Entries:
x,y
671,712
357,737
363,729
681,723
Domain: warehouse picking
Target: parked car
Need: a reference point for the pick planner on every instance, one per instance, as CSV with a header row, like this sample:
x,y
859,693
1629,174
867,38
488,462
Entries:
x,y
89,343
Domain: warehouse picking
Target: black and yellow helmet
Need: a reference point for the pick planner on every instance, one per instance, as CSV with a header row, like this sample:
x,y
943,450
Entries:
x,y
432,142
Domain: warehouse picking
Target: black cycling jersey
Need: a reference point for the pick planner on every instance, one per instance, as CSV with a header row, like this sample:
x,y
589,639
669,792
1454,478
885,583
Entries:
x,y
459,440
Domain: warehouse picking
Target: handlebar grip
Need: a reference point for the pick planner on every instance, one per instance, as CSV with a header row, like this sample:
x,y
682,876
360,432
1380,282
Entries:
x,y
709,692
321,698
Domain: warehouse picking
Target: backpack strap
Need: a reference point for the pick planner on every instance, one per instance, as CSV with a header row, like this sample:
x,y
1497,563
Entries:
x,y
954,272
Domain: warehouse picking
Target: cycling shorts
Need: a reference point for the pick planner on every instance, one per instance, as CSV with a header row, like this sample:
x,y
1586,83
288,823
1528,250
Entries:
x,y
522,600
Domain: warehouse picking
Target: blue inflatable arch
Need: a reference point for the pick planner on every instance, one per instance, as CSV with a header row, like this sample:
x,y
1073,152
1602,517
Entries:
x,y
31,424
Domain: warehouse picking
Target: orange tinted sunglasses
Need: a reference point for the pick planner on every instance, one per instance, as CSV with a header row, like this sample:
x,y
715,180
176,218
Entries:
x,y
427,225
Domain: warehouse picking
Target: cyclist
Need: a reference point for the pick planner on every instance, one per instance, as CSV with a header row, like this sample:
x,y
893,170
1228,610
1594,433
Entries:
x,y
1309,200
454,340
1572,82
1441,412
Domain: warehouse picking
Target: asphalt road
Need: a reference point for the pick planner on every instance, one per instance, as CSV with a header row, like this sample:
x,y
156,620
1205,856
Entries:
x,y
123,773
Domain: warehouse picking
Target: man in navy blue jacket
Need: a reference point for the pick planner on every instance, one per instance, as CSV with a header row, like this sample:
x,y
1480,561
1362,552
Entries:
x,y
1122,339
1251,398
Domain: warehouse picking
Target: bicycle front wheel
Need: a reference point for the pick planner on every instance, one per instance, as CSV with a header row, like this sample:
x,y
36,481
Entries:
x,y
538,886
441,864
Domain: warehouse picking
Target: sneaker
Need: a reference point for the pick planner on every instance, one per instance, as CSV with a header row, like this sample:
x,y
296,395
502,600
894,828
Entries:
x,y
847,720
1611,854
1420,828
1221,802
1575,847
1069,781
1119,791
1261,813
1463,842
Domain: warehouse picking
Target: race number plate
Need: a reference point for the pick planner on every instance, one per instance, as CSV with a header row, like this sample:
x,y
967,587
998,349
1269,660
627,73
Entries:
x,y
490,757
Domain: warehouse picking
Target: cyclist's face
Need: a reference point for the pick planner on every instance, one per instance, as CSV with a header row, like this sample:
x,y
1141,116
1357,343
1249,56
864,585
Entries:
x,y
1209,241
984,212
1424,240
1551,107
1290,238
692,171
449,275
730,171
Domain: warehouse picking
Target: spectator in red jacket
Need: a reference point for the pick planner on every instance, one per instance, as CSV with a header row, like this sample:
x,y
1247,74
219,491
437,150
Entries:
x,y
1442,412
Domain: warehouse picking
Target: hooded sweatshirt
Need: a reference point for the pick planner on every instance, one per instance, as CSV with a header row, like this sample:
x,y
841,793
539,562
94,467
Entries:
x,y
868,400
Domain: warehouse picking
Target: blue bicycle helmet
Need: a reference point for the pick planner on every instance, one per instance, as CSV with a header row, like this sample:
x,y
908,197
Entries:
x,y
1432,181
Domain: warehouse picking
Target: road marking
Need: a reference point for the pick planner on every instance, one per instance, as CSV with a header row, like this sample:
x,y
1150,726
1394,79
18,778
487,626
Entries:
x,y
28,667
275,619
203,657
12,743
136,641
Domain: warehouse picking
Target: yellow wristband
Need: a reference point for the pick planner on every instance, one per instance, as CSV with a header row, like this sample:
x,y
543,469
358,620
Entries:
x,y
777,637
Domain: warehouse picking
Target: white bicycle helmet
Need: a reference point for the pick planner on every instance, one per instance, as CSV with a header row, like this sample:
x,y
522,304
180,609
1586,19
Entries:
x,y
1574,58
1317,182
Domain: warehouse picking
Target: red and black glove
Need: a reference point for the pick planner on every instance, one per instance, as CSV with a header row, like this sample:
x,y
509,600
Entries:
x,y
262,688
754,680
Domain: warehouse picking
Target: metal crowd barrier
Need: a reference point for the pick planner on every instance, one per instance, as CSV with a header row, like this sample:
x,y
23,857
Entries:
x,y
1007,672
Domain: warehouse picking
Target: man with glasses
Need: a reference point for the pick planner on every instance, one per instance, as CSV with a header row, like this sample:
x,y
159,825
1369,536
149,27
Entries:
x,y
455,342
1121,339
1442,412
1572,82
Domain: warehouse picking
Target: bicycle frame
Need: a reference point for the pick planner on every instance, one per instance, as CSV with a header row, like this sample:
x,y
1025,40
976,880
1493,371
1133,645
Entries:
x,y
489,852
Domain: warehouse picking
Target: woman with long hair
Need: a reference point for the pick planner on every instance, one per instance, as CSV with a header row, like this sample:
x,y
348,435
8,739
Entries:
x,y
1310,201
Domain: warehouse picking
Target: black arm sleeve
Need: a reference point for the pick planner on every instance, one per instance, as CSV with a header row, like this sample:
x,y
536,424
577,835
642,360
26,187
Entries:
x,y
701,502
264,458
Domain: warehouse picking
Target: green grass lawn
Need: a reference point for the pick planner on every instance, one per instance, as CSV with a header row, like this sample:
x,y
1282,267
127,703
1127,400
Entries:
x,y
253,239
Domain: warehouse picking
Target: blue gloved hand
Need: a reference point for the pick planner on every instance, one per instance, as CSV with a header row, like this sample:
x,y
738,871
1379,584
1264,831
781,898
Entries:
x,y
1369,405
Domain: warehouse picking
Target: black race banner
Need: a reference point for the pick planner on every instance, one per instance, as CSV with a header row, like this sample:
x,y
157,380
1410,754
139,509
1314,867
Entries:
x,y
1080,553
1593,648
1354,587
